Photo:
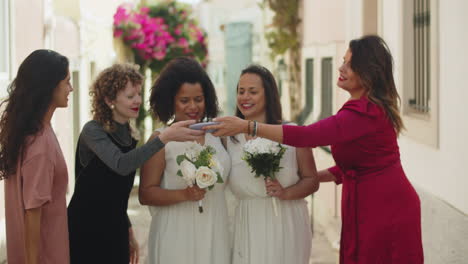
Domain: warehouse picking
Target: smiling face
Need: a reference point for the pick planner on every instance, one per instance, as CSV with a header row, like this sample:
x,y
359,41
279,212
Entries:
x,y
61,92
189,102
127,103
251,97
348,79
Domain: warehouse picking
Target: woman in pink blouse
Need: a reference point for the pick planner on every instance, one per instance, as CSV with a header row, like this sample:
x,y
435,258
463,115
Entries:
x,y
381,215
32,164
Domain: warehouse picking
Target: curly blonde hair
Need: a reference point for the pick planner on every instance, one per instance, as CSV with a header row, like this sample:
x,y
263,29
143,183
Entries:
x,y
108,83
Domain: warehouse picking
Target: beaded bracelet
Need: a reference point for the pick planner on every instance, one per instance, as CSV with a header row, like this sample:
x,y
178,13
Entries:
x,y
254,132
248,127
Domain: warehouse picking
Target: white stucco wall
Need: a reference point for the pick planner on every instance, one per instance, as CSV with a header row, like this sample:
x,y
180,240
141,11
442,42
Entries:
x,y
440,171
28,15
324,21
96,18
453,41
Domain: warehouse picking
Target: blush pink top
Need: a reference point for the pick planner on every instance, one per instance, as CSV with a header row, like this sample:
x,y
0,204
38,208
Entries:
x,y
40,181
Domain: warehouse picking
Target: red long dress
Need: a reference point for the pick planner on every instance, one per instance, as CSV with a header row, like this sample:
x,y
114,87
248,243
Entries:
x,y
381,214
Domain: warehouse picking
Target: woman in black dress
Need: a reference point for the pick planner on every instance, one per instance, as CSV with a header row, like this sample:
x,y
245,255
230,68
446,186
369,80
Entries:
x,y
105,164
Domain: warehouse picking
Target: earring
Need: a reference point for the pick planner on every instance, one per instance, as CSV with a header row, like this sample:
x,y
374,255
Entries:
x,y
112,106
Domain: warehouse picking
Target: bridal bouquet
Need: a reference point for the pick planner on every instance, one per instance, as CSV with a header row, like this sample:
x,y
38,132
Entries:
x,y
199,166
263,157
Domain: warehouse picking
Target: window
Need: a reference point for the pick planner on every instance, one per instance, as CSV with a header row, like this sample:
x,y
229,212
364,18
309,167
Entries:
x,y
420,71
309,91
422,65
327,88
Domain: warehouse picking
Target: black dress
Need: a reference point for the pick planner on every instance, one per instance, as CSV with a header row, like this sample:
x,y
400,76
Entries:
x,y
97,214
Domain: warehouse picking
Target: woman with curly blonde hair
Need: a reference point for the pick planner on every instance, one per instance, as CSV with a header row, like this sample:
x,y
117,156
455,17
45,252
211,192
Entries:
x,y
106,161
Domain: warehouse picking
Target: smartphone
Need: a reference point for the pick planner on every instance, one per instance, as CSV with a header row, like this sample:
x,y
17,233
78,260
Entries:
x,y
199,126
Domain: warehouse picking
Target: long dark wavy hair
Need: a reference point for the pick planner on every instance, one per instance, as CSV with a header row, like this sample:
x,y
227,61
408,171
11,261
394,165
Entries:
x,y
273,110
372,61
177,72
29,98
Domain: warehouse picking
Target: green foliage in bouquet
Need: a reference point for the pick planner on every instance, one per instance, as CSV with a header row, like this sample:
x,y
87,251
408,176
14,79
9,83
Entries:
x,y
265,164
204,159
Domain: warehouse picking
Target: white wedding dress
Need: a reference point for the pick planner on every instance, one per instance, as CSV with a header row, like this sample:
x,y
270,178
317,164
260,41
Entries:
x,y
260,236
179,234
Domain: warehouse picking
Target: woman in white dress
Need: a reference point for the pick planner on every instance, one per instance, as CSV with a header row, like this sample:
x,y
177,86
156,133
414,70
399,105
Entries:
x,y
260,235
179,233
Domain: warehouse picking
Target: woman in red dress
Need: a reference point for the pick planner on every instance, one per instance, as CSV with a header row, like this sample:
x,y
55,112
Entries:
x,y
381,214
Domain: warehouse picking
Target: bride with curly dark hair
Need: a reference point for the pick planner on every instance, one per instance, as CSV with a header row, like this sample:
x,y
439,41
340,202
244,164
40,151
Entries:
x,y
31,162
106,161
184,91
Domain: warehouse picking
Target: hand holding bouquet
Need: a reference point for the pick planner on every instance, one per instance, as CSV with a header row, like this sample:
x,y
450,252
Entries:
x,y
263,157
199,166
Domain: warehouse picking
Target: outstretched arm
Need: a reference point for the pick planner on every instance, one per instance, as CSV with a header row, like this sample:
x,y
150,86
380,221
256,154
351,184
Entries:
x,y
232,125
346,125
97,140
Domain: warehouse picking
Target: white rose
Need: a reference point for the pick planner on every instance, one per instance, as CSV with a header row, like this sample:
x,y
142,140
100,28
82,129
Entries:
x,y
193,150
205,177
188,171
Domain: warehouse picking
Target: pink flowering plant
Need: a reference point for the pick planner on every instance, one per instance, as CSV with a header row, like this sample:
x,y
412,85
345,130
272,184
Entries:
x,y
158,33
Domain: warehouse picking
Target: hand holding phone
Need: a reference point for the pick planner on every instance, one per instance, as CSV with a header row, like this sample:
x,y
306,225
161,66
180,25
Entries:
x,y
199,126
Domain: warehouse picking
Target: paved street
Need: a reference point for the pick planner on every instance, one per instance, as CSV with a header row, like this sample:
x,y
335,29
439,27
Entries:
x,y
322,253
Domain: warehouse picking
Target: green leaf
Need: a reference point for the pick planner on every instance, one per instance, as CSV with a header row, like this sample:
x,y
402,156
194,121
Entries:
x,y
180,158
220,179
179,173
210,187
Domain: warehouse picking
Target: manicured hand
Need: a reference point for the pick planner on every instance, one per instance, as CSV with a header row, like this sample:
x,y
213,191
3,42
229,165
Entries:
x,y
179,131
194,193
274,188
229,126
